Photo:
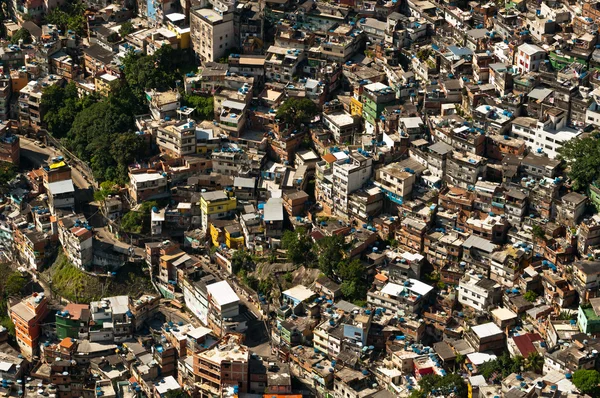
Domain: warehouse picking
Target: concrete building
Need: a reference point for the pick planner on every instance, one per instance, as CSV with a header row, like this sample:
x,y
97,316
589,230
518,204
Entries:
x,y
486,337
27,316
215,206
75,236
529,57
223,304
222,366
212,34
478,293
145,186
112,320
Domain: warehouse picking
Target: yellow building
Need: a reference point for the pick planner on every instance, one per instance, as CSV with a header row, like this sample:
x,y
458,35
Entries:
x,y
226,232
183,33
217,205
355,107
103,82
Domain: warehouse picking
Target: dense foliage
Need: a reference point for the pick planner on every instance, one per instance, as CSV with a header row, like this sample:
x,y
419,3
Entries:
x,y
582,156
138,221
12,284
100,131
21,34
8,171
330,255
441,385
69,16
587,381
204,106
126,28
297,110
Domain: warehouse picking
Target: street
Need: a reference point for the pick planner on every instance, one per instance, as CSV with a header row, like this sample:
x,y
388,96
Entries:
x,y
38,156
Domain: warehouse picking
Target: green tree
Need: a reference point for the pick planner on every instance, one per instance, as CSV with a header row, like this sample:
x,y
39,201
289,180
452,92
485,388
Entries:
x,y
241,260
582,156
176,394
265,286
538,232
21,34
297,244
530,296
8,171
15,284
452,383
133,222
297,110
106,188
69,16
204,106
329,252
534,362
126,28
587,381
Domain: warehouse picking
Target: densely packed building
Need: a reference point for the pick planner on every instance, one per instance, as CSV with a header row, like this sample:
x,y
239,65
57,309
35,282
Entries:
x,y
425,136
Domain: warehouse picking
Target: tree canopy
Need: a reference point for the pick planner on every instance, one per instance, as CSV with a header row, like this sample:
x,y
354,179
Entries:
x,y
501,367
204,106
443,385
296,111
587,381
21,34
298,245
69,16
582,156
126,28
8,171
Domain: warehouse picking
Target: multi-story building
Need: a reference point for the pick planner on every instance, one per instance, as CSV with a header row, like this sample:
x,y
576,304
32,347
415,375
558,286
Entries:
x,y
529,57
396,182
145,186
375,98
177,140
224,365
342,125
212,34
348,175
282,63
223,304
216,205
486,337
5,94
75,236
410,296
73,321
464,169
27,315
163,105
10,147
112,320
546,135
232,117
30,102
478,292
586,279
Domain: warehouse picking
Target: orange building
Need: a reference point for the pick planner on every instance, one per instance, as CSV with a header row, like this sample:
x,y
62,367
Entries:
x,y
27,315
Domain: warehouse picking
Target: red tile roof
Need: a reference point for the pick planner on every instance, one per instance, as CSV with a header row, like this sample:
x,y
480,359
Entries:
x,y
524,343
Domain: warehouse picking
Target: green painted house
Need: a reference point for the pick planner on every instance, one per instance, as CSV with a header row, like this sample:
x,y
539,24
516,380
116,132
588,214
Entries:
x,y
73,321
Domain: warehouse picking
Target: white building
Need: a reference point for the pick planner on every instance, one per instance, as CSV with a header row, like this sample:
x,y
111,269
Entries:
x,y
348,176
545,136
76,239
113,319
478,292
61,195
529,57
212,34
